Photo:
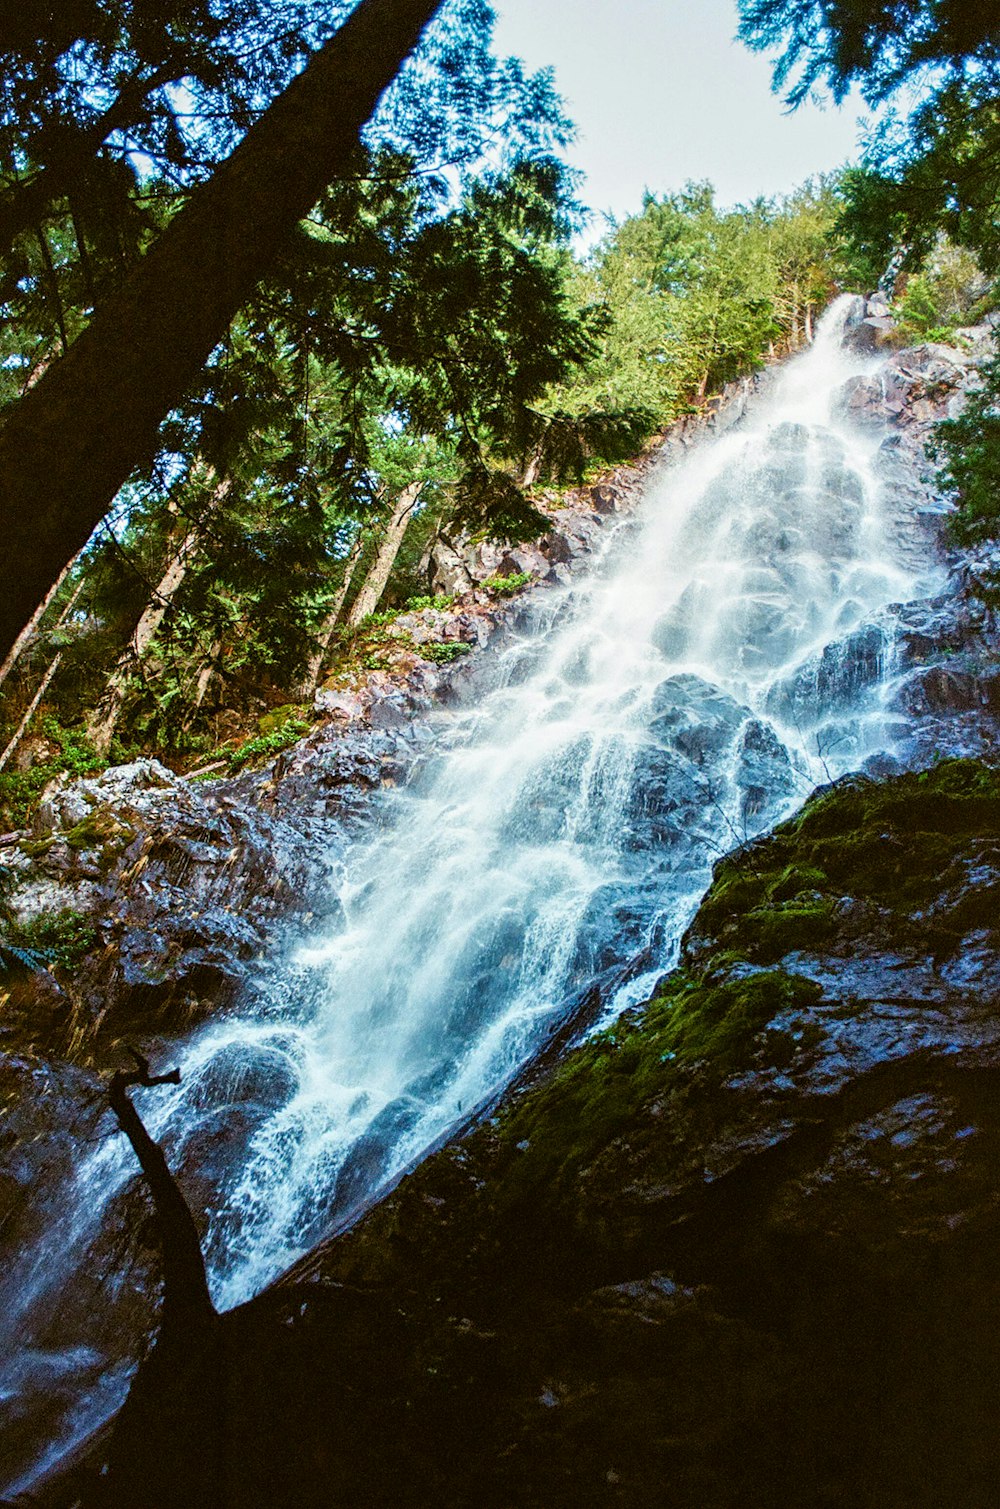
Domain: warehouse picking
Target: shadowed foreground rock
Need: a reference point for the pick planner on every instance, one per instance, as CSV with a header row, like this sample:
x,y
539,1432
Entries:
x,y
742,1250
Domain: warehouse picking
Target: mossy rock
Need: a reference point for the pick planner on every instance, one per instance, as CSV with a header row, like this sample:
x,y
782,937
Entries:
x,y
99,830
694,1023
274,721
889,844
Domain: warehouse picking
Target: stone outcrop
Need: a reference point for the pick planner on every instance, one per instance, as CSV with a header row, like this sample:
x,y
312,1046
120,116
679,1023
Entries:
x,y
188,884
742,1248
724,1254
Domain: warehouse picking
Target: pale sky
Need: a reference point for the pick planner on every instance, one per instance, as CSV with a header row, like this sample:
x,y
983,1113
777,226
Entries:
x,y
661,93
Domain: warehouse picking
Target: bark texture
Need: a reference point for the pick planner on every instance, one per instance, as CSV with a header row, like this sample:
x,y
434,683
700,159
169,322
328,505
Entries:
x,y
93,417
373,585
314,665
32,708
103,719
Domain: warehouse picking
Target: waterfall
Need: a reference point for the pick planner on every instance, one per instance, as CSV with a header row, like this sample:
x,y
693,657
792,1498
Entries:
x,y
728,653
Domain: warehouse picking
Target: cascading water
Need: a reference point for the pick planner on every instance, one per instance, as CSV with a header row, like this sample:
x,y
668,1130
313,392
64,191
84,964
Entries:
x,y
730,653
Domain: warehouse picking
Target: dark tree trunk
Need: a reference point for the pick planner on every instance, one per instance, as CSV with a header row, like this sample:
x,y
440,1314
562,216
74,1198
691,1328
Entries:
x,y
167,1446
75,437
185,1288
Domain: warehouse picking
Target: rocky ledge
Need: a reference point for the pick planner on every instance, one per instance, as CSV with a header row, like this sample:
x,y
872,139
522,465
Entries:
x,y
168,890
157,895
744,1248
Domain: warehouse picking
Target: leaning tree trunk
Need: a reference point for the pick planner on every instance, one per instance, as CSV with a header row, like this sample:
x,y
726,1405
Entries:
x,y
22,727
168,1441
206,671
103,719
185,1286
373,585
75,437
30,631
316,661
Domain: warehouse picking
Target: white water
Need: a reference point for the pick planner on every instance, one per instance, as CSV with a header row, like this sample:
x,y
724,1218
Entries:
x,y
693,690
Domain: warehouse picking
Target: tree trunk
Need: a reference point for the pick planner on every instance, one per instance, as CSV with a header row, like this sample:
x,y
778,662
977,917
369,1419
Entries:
x,y
205,674
168,1443
75,437
534,466
30,630
185,1287
373,585
316,661
43,687
103,719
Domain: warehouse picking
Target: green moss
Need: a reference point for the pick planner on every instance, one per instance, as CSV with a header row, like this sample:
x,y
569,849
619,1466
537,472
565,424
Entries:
x,y
886,842
99,829
802,922
34,848
276,720
601,1089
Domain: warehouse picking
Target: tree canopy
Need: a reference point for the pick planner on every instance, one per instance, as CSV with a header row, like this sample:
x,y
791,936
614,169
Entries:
x,y
932,68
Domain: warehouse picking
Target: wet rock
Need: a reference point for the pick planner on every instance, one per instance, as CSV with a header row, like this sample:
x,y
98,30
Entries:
x,y
605,498
872,333
762,1208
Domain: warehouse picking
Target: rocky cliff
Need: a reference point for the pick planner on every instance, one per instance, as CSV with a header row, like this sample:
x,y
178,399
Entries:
x,y
742,1248
720,1255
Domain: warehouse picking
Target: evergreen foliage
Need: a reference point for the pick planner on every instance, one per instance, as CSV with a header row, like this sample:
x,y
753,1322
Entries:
x,y
932,160
689,297
926,196
968,452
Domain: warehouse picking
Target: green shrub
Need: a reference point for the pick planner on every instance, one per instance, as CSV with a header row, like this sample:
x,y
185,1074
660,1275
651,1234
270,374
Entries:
x,y
53,939
506,586
444,654
275,720
441,601
262,748
20,789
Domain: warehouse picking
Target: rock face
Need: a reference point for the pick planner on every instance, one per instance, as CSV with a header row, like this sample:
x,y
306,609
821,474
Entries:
x,y
740,1251
744,1248
187,885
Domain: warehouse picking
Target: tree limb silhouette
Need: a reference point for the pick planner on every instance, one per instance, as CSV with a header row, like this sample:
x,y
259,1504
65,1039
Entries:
x,y
185,1286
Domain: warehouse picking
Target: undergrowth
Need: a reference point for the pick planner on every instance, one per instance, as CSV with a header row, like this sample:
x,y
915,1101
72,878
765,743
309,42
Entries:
x,y
21,789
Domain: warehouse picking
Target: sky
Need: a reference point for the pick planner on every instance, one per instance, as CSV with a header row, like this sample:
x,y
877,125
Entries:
x,y
661,93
